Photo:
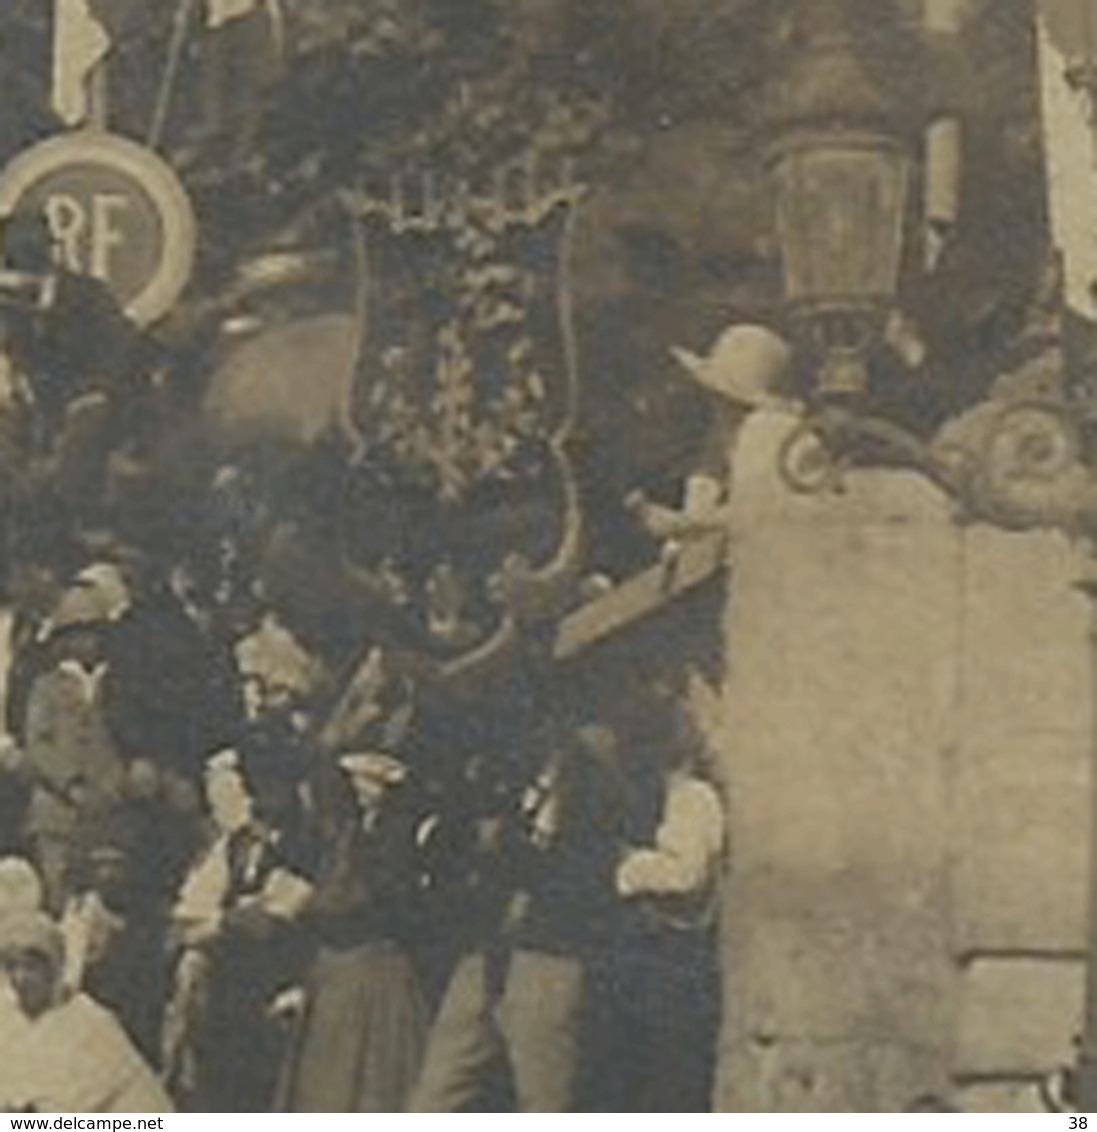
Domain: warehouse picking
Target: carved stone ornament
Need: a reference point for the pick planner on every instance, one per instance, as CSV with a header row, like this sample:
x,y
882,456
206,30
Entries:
x,y
1016,461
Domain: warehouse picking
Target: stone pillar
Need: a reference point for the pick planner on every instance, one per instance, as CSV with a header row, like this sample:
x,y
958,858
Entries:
x,y
1020,815
836,750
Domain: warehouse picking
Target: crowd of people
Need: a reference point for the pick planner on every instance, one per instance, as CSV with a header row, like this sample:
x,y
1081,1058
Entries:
x,y
242,871
216,896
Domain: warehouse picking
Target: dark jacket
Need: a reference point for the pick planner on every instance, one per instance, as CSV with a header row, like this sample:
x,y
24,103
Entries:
x,y
171,695
368,888
569,905
84,343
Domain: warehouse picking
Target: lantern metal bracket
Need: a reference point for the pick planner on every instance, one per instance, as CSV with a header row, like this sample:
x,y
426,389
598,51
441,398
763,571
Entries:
x,y
1017,464
827,444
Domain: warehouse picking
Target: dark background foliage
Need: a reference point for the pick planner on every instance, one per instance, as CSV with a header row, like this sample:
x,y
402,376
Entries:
x,y
658,104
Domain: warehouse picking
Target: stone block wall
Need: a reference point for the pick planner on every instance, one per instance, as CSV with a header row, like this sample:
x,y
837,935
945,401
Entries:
x,y
904,740
1021,814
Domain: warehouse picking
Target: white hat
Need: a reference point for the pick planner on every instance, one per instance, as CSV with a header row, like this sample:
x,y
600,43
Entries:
x,y
376,765
744,366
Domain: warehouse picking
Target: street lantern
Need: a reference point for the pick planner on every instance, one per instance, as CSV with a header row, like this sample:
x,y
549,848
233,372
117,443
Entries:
x,y
840,170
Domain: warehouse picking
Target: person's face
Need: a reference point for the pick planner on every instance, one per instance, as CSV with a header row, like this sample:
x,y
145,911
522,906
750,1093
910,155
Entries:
x,y
33,979
263,696
229,802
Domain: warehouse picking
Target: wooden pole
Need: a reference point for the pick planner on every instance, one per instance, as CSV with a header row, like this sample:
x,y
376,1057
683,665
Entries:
x,y
179,29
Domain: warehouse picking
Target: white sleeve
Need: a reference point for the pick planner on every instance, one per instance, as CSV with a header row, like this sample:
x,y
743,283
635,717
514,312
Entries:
x,y
687,845
204,889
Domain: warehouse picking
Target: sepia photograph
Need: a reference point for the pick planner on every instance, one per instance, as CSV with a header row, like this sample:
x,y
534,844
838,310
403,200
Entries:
x,y
548,557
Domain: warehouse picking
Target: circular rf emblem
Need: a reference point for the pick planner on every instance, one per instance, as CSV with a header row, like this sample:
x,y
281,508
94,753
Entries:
x,y
117,211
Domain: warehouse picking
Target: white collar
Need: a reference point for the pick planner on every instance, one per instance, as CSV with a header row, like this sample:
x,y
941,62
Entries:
x,y
89,680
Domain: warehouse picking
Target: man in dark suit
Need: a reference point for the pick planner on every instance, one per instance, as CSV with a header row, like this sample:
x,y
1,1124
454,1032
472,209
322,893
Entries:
x,y
81,367
79,341
524,994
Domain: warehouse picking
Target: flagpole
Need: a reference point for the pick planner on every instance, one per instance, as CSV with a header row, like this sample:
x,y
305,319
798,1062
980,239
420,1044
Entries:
x,y
179,29
98,95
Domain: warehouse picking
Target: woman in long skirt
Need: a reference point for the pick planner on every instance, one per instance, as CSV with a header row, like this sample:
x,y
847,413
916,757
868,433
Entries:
x,y
361,1034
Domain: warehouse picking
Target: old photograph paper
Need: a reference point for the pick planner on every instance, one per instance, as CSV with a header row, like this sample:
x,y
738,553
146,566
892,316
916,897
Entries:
x,y
548,553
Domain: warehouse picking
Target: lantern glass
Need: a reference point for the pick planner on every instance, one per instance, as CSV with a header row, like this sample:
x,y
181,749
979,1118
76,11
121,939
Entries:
x,y
841,202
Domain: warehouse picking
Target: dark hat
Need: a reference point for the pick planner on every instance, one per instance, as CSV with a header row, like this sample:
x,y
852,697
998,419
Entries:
x,y
26,241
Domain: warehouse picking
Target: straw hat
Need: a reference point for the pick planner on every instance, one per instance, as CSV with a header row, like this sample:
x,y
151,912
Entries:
x,y
374,766
745,366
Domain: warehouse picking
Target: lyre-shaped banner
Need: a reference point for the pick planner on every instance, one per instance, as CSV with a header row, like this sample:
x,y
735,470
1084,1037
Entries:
x,y
461,503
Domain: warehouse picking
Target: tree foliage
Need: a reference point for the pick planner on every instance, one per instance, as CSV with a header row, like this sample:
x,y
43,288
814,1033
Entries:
x,y
467,87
